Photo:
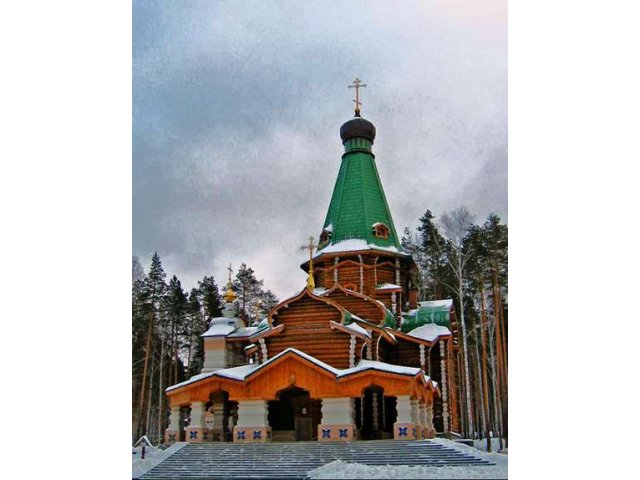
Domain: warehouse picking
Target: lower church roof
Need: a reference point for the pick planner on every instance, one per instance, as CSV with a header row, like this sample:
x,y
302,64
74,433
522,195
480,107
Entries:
x,y
243,372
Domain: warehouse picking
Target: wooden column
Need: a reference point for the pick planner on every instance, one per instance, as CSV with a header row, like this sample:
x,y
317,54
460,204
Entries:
x,y
172,433
195,432
405,427
338,420
252,426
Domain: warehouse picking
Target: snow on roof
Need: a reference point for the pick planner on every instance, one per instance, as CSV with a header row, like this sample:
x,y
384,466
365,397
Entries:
x,y
437,303
378,224
380,366
242,372
319,291
237,373
355,244
390,333
244,332
329,228
195,378
429,332
388,286
220,327
357,328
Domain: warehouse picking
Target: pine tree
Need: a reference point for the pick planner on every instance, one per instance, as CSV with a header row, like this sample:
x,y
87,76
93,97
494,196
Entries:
x,y
412,245
196,325
250,294
139,322
496,235
176,311
267,302
477,272
210,298
435,257
153,292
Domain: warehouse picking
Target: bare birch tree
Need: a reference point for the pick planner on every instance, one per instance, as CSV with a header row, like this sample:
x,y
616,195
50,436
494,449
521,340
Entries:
x,y
455,227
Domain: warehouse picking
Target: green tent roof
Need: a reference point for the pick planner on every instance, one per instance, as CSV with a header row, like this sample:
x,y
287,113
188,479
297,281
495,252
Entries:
x,y
358,203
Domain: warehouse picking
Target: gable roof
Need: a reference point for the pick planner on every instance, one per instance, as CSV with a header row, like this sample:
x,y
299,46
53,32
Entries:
x,y
345,315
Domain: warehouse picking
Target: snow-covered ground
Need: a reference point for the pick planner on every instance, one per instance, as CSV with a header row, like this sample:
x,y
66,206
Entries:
x,y
152,457
482,444
340,469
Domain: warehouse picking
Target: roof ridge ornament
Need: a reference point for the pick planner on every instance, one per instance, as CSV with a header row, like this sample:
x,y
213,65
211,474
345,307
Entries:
x,y
357,84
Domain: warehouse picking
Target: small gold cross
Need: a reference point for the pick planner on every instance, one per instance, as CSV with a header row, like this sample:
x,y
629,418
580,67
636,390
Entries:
x,y
357,84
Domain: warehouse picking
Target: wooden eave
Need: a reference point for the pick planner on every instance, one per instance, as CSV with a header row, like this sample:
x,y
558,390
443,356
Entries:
x,y
423,341
251,349
267,332
342,328
377,328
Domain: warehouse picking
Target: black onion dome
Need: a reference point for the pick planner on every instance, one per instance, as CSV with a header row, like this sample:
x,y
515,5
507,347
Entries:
x,y
357,127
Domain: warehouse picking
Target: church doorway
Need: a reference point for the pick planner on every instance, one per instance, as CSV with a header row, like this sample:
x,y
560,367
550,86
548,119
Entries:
x,y
375,414
294,416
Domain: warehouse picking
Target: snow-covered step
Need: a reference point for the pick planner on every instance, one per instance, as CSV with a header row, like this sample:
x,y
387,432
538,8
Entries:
x,y
294,460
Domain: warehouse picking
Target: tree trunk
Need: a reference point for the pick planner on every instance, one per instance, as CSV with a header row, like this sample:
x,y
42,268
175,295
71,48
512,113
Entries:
x,y
497,411
146,424
502,388
485,383
144,374
190,346
481,424
160,391
461,396
466,360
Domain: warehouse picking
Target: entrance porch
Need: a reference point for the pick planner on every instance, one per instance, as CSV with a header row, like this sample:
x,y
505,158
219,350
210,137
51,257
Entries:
x,y
295,397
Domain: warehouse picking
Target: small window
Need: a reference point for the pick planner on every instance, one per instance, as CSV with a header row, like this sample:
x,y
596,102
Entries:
x,y
380,230
351,286
325,236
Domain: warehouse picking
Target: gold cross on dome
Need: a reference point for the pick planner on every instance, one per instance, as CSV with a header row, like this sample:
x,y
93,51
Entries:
x,y
357,84
230,272
310,246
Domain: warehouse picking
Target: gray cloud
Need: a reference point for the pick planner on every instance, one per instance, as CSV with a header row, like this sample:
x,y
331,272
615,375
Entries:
x,y
237,107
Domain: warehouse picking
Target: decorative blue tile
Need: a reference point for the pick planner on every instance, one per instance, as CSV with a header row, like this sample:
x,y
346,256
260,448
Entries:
x,y
193,434
326,433
343,432
172,437
257,435
402,431
241,435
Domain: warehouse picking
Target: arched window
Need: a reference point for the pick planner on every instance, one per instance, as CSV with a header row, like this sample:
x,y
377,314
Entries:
x,y
380,230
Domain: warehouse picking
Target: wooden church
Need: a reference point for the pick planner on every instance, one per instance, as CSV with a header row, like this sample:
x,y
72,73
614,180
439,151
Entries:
x,y
354,355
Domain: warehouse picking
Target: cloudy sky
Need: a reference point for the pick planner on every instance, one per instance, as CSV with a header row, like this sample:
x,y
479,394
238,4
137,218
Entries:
x,y
237,107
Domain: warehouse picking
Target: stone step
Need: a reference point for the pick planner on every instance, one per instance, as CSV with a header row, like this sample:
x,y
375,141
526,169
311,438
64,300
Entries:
x,y
295,460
